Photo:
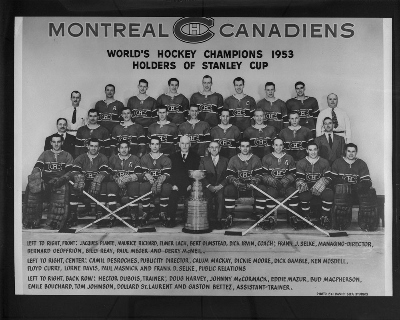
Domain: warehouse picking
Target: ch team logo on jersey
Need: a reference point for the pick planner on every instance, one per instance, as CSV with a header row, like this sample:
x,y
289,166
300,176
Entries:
x,y
278,173
239,112
271,116
194,137
225,143
260,142
174,108
304,113
105,116
54,166
163,138
205,107
350,178
193,29
155,172
313,176
140,113
245,174
125,138
89,175
296,145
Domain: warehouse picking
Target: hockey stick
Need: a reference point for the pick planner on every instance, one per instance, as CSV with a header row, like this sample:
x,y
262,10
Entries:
x,y
240,233
329,234
109,214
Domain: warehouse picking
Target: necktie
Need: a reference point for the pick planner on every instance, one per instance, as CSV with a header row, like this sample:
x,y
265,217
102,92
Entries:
x,y
330,140
215,161
334,119
184,157
74,116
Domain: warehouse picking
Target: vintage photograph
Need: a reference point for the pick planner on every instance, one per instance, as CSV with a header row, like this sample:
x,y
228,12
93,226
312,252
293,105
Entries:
x,y
203,156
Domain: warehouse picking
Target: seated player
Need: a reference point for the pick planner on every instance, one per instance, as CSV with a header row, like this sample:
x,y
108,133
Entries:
x,y
313,176
260,135
295,137
279,173
226,135
88,172
92,130
156,169
198,131
124,179
243,169
49,178
353,182
165,131
130,132
214,181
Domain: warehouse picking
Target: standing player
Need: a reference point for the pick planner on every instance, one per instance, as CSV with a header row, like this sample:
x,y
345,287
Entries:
x,y
143,106
88,172
210,103
240,106
295,137
76,115
226,135
92,130
279,173
307,107
274,108
51,171
130,132
156,168
176,103
109,109
353,182
313,176
124,178
198,131
165,131
243,169
260,135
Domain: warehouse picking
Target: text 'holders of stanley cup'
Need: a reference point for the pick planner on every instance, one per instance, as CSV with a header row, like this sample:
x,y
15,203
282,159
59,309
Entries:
x,y
197,214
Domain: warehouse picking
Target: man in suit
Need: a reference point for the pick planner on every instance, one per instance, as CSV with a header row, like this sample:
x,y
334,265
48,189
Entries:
x,y
215,179
68,144
330,145
181,162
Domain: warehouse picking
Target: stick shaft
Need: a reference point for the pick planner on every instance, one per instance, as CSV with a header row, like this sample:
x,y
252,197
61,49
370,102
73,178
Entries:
x,y
291,210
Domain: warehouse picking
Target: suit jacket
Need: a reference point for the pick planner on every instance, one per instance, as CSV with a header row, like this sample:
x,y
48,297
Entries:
x,y
68,145
215,175
179,169
325,151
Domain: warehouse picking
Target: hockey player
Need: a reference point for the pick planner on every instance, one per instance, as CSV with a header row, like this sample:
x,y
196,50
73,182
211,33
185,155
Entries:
x,y
130,132
240,106
313,176
156,168
88,172
124,178
243,169
198,131
165,131
307,107
274,108
143,106
295,137
210,103
226,135
48,178
260,135
109,109
92,130
279,173
353,182
75,114
176,103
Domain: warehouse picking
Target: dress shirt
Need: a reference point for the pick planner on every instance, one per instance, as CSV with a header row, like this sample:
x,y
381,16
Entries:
x,y
343,123
81,118
215,159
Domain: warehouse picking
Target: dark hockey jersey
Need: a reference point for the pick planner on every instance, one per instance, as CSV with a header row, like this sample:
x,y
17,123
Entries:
x,y
260,139
199,134
308,110
84,133
143,111
244,170
122,167
177,107
275,113
295,142
350,173
133,134
54,164
279,167
109,114
311,173
168,134
90,167
209,107
240,111
156,167
227,139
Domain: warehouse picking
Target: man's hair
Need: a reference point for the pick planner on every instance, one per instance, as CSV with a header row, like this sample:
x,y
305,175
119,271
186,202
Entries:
x,y
90,140
173,79
121,142
312,143
269,83
155,138
244,140
238,79
330,94
293,112
326,118
222,110
109,85
351,145
76,92
277,138
126,108
143,81
207,76
92,111
195,106
56,135
209,145
184,136
259,109
62,119
299,82
161,106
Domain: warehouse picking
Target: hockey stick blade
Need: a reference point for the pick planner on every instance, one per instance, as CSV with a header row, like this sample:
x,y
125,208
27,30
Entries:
x,y
338,234
66,230
234,233
151,229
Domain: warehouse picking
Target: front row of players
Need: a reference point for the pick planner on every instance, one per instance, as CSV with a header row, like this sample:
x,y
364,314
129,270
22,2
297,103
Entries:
x,y
324,192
